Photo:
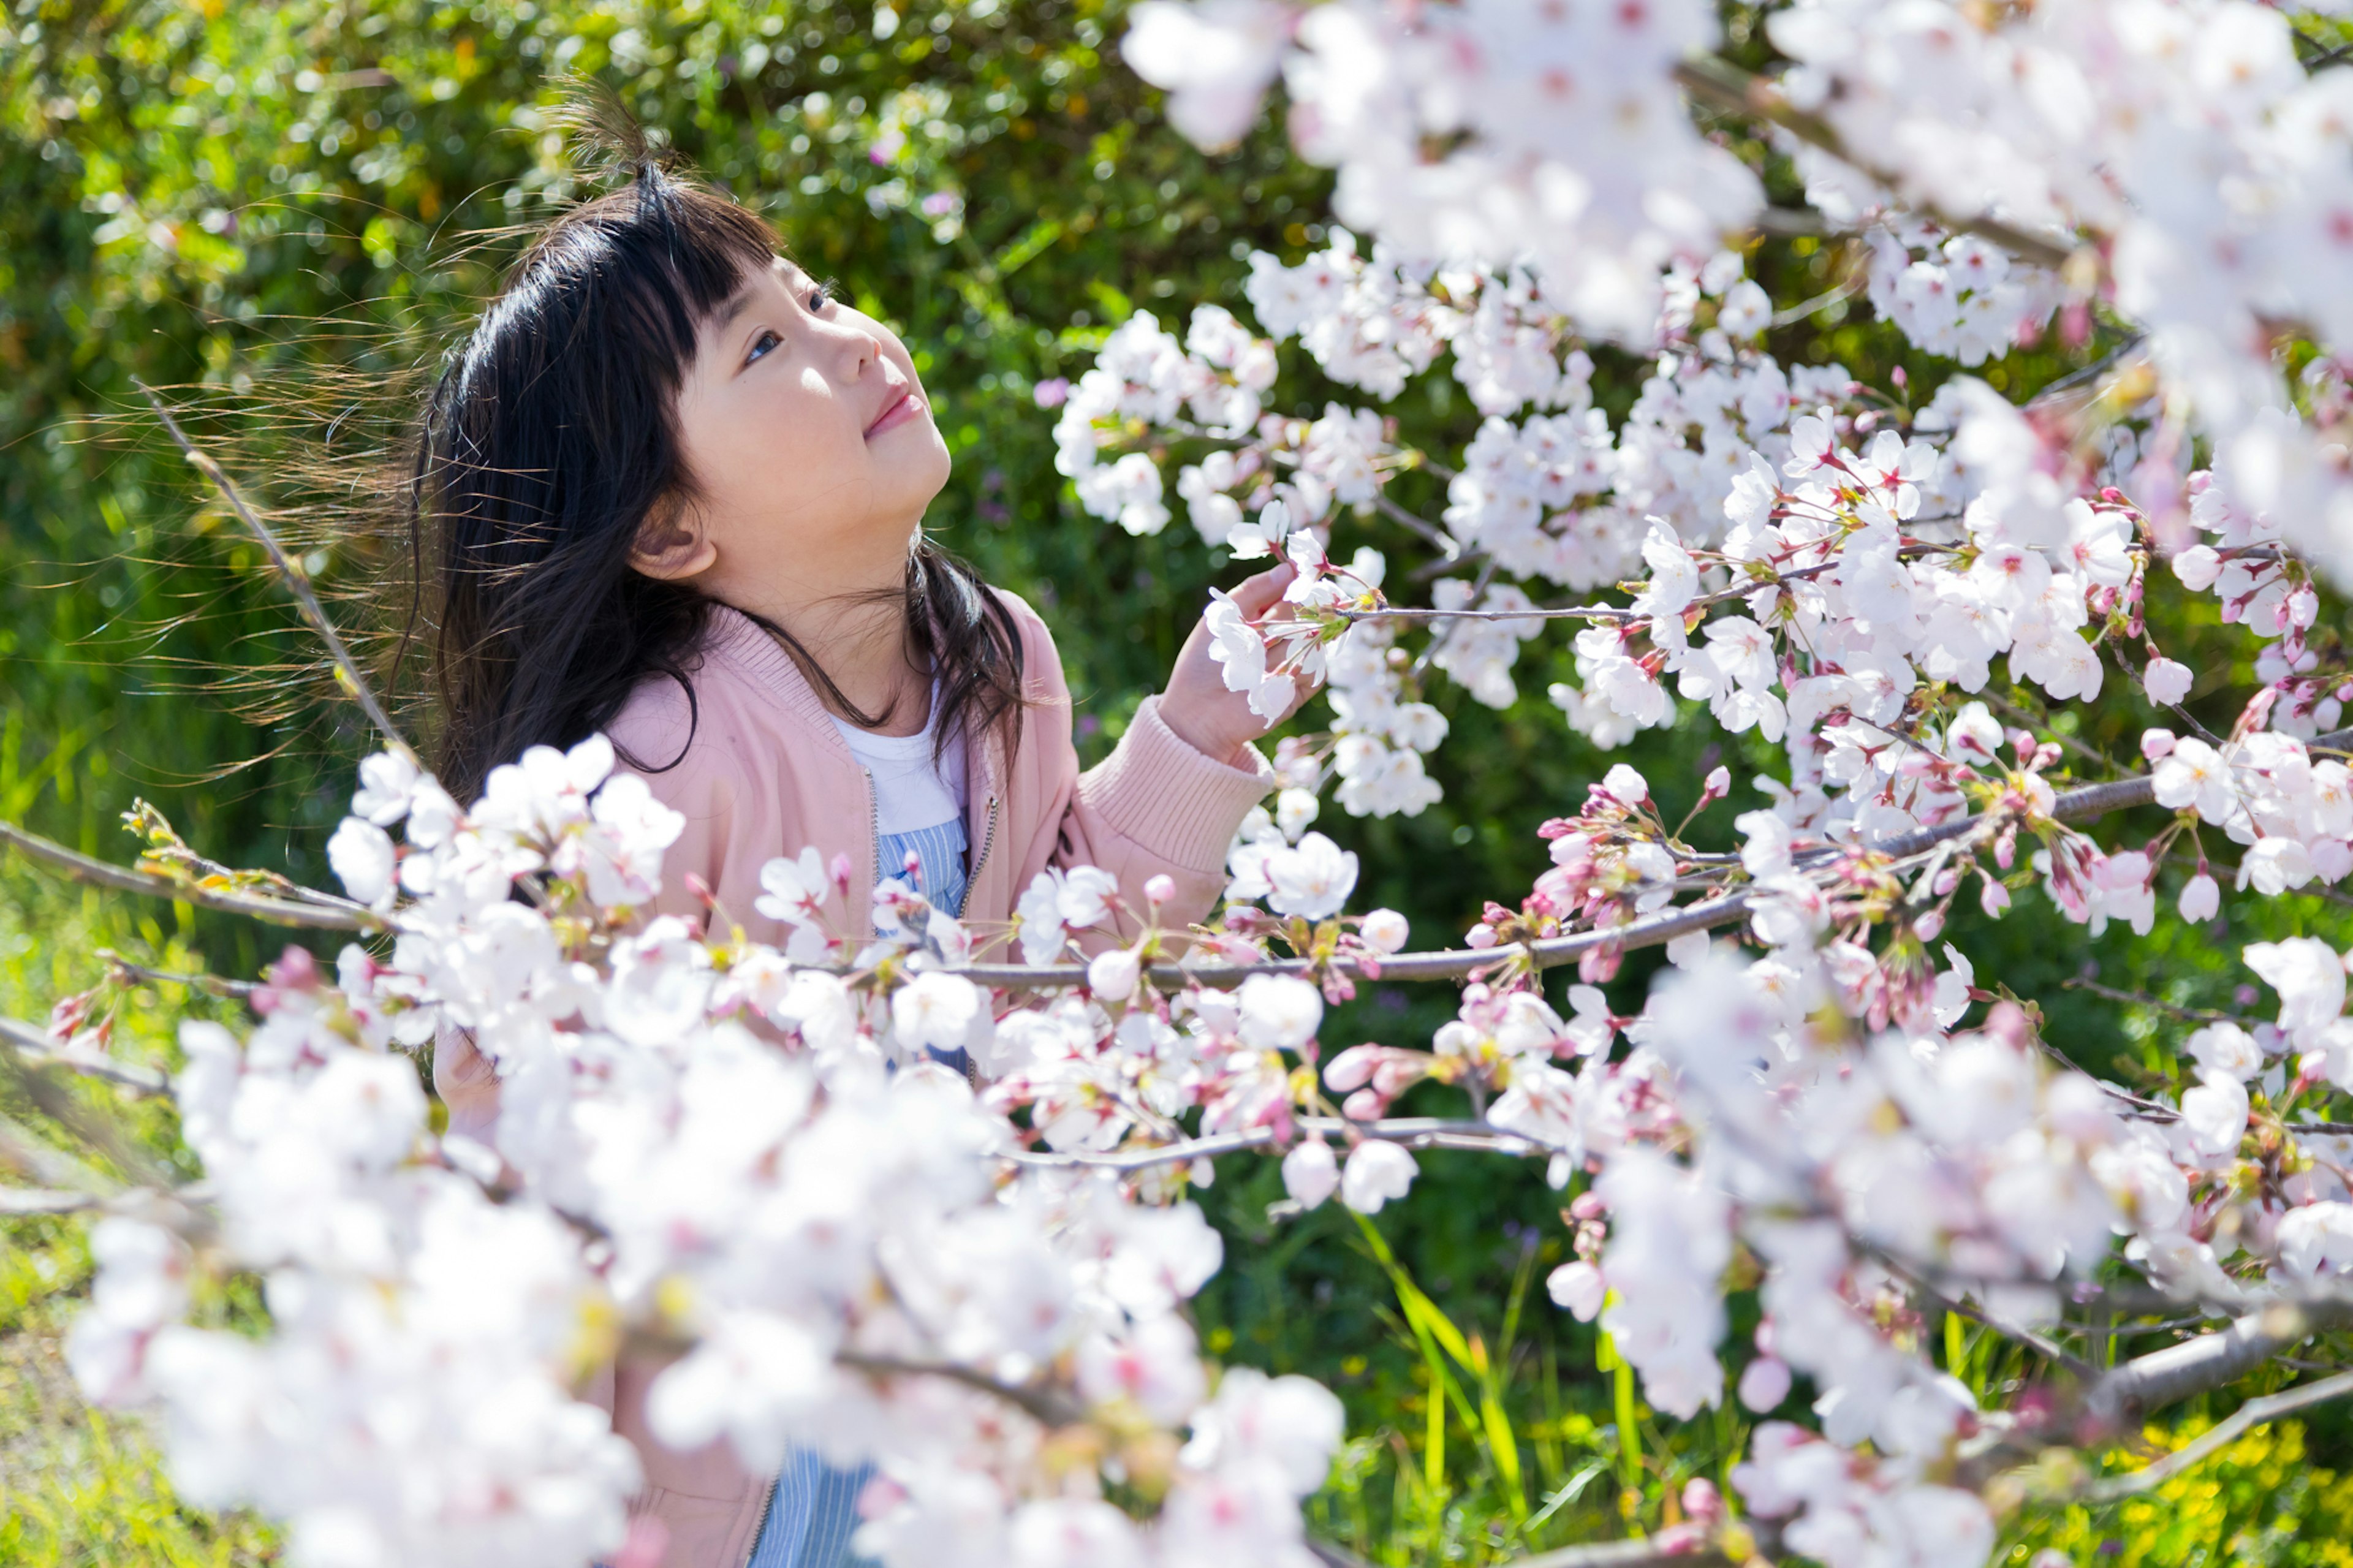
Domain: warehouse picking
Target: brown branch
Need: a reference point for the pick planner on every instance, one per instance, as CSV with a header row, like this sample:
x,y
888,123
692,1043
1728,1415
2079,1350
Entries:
x,y
1624,1554
1728,87
104,874
2211,1360
34,1158
1048,1407
122,970
17,1203
298,580
2252,1413
35,1048
97,1132
1409,1131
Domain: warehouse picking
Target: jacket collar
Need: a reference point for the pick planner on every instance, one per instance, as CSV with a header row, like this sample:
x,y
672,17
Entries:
x,y
735,637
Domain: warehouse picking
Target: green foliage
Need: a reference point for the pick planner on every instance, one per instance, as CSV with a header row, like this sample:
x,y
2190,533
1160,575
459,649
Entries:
x,y
188,193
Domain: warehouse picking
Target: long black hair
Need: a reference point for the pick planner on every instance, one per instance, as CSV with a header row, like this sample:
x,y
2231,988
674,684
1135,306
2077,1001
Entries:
x,y
550,440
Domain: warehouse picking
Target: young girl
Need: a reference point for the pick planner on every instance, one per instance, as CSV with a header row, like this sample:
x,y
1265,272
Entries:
x,y
675,489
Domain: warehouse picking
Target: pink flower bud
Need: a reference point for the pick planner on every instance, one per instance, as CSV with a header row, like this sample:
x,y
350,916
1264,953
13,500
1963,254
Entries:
x,y
1995,900
1702,1501
1765,1384
1479,936
1351,1069
1160,888
2156,744
1365,1105
1718,785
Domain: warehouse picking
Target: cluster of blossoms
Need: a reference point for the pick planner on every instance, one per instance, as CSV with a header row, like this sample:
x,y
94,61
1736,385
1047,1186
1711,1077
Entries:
x,y
736,1164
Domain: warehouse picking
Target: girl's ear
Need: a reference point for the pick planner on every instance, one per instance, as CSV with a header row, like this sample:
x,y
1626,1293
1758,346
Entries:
x,y
670,547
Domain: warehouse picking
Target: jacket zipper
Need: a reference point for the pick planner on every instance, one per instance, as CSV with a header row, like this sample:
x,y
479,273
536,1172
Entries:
x,y
988,841
767,1501
874,832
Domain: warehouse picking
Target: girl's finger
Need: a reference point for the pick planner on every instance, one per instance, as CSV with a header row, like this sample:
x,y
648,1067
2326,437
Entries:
x,y
1256,595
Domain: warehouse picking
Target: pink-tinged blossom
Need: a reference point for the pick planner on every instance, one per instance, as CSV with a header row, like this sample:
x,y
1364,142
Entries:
x,y
2201,898
1215,58
1764,1385
2168,682
1375,1174
1578,1289
1311,1173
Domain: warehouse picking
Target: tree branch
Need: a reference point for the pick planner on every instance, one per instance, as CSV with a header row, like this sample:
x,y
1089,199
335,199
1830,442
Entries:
x,y
17,1203
1728,87
1412,1131
2195,1366
1048,1406
1624,1554
34,1048
124,971
102,873
2252,1413
298,580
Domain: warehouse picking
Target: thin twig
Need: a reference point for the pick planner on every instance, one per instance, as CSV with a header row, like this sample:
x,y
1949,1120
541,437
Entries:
x,y
1804,308
20,1202
1623,1554
1046,1405
2192,1014
125,971
94,1129
2252,1413
2066,743
35,1046
34,1157
1446,543
1579,612
298,580
104,874
1412,1132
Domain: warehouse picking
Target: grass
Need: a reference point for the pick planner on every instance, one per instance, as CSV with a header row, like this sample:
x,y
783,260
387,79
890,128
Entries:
x,y
81,1488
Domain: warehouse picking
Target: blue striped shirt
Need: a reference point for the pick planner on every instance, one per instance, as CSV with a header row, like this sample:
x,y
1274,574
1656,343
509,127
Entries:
x,y
814,1509
941,852
811,1515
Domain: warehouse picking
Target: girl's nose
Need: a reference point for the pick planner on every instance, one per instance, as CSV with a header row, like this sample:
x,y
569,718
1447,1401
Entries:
x,y
855,346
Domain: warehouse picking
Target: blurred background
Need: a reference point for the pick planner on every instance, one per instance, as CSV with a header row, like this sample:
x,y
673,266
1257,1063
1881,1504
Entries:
x,y
287,213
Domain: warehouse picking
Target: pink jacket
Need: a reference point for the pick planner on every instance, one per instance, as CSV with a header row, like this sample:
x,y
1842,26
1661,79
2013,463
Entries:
x,y
764,774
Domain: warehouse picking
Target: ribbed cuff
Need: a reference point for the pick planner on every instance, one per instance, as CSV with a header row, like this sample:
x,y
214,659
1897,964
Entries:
x,y
1156,791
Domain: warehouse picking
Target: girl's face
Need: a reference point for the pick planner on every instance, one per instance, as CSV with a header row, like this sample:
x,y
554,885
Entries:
x,y
811,447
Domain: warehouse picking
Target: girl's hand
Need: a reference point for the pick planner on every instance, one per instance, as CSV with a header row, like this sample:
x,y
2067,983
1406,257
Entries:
x,y
1214,721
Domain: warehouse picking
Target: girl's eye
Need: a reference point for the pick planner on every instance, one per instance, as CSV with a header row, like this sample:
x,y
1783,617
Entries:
x,y
767,341
821,297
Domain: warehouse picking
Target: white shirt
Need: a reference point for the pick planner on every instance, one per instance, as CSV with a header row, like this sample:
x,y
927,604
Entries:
x,y
911,793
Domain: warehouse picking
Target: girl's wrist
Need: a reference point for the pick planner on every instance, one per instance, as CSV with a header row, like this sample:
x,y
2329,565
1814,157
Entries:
x,y
1203,737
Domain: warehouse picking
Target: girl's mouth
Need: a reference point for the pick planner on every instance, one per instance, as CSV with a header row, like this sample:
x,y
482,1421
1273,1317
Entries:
x,y
899,413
